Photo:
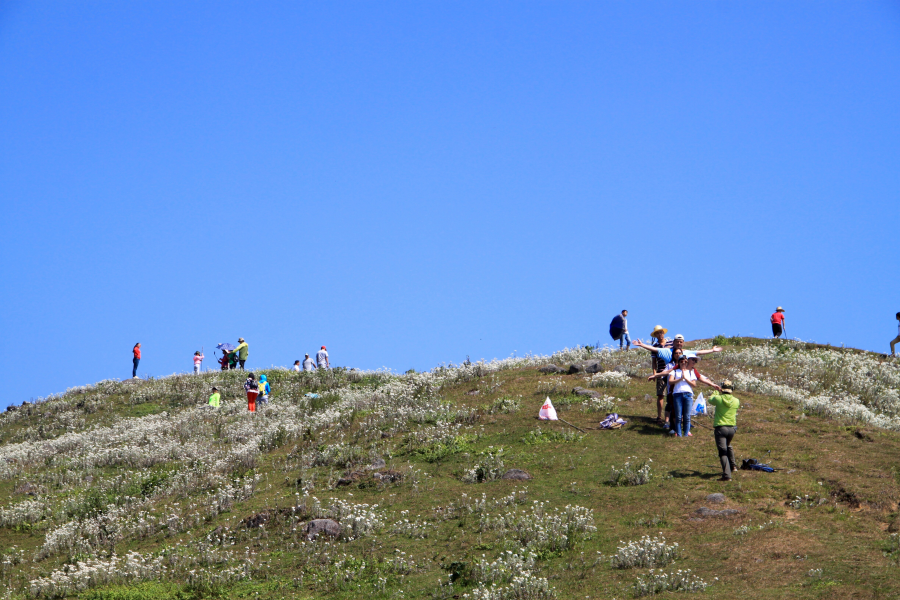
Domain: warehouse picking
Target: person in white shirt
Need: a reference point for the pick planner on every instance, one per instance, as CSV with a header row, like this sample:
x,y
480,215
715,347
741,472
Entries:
x,y
683,381
308,364
296,367
322,359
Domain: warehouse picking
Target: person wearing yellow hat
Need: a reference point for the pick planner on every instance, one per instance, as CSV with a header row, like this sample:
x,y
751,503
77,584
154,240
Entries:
x,y
777,321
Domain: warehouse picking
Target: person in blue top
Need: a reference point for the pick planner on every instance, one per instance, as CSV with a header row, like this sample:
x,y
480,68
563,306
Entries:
x,y
264,390
665,354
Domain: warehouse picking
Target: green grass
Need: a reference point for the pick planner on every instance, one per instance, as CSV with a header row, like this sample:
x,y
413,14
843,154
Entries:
x,y
847,536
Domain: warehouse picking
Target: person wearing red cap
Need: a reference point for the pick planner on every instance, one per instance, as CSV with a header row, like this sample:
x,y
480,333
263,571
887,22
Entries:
x,y
322,359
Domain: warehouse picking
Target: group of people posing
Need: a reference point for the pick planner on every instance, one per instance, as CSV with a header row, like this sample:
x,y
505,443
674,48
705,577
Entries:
x,y
676,375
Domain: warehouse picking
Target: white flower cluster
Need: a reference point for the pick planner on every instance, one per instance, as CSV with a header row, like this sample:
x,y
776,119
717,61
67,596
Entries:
x,y
522,587
631,473
542,528
807,501
658,582
415,529
505,405
26,512
841,384
607,379
605,405
504,568
645,552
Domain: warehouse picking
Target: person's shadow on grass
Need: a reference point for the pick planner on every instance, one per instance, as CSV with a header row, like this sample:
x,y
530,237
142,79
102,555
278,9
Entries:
x,y
685,473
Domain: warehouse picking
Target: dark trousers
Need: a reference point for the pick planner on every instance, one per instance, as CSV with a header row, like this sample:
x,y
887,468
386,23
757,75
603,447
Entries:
x,y
724,434
242,363
134,370
776,330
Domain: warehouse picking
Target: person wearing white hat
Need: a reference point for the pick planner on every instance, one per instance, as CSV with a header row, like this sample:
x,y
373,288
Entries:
x,y
777,320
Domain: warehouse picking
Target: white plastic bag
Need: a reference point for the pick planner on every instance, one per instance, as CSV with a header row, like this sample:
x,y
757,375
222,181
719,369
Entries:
x,y
698,407
548,413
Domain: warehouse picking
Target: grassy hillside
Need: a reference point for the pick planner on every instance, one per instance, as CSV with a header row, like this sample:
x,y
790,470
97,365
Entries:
x,y
134,490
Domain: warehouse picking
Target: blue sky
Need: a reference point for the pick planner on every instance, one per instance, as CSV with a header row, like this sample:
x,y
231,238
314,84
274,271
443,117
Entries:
x,y
412,183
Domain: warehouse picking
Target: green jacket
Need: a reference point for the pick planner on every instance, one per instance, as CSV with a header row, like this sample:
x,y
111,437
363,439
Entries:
x,y
726,409
214,400
242,351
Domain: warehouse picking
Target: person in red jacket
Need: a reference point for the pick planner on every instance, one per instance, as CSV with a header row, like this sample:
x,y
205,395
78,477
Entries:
x,y
777,321
136,360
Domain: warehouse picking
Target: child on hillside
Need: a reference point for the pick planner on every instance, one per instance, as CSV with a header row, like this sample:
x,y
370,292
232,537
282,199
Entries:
x,y
264,390
223,362
214,400
198,362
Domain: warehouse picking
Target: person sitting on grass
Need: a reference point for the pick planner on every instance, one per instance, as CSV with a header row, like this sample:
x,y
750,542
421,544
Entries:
x,y
725,426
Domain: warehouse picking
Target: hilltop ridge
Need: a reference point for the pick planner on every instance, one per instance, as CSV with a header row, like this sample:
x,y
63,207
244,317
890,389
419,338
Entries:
x,y
134,489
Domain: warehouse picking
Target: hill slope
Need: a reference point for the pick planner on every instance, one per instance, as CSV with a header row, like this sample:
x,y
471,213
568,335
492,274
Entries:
x,y
135,490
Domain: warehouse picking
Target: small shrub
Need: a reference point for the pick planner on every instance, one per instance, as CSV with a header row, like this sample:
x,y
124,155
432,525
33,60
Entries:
x,y
631,473
488,468
645,552
504,405
679,581
539,436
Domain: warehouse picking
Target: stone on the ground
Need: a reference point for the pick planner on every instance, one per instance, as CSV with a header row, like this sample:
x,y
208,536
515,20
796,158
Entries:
x,y
377,463
551,369
516,475
709,512
580,391
716,498
586,366
314,528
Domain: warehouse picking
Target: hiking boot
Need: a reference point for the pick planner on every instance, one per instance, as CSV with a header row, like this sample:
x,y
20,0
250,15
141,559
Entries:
x,y
671,432
724,478
666,426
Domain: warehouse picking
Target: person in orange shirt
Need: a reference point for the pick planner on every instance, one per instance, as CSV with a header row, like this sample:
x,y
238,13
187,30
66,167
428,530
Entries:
x,y
777,321
136,360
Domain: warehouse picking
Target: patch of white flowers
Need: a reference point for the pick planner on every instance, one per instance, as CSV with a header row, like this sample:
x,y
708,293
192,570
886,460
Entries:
x,y
607,379
414,529
489,467
542,527
645,552
633,472
657,582
522,587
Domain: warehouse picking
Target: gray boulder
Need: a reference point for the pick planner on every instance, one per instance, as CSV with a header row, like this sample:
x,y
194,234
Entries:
x,y
516,475
580,391
377,463
716,498
314,528
551,369
708,512
593,365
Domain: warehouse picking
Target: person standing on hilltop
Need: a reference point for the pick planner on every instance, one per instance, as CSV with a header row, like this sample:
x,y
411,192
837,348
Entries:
x,y
322,358
659,366
241,352
137,358
896,340
618,330
308,364
725,426
198,362
777,321
296,367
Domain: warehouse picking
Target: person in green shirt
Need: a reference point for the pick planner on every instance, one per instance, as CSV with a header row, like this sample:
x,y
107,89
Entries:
x,y
241,352
215,398
725,426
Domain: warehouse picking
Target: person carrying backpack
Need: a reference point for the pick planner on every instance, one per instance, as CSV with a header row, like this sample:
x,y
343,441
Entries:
x,y
252,389
618,330
264,389
725,426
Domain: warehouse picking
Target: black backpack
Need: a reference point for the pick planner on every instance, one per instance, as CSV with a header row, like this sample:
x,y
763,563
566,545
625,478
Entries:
x,y
616,327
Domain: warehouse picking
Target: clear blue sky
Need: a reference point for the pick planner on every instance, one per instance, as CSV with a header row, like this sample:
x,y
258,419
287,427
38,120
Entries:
x,y
411,183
